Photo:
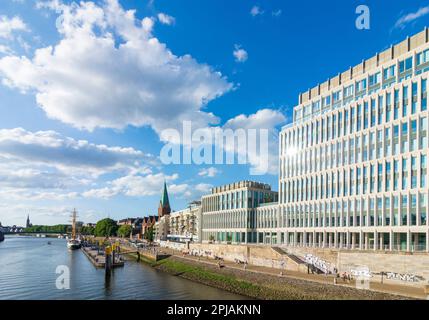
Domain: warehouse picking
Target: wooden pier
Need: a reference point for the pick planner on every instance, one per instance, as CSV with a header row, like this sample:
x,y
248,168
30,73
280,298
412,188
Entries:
x,y
98,260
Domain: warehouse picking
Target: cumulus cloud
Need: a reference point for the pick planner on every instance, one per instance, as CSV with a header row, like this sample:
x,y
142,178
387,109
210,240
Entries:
x,y
208,172
147,185
240,54
166,19
410,17
265,119
67,154
109,71
8,26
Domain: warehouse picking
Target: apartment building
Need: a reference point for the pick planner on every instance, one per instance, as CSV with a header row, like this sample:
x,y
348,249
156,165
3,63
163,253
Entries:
x,y
353,164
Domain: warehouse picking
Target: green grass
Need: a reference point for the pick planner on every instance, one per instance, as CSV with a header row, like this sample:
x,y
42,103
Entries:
x,y
202,275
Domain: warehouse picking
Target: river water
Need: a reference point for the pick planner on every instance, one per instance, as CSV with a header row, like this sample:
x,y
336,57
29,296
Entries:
x,y
28,271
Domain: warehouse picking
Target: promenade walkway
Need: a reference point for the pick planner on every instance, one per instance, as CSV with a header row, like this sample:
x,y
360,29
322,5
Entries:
x,y
396,289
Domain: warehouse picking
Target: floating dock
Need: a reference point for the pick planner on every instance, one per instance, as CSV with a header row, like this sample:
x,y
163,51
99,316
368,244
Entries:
x,y
99,260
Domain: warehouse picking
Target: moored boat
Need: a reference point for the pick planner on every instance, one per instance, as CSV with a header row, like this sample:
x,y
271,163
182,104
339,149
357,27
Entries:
x,y
73,243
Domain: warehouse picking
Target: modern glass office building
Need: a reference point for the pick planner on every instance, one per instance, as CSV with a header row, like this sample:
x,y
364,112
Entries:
x,y
231,213
353,164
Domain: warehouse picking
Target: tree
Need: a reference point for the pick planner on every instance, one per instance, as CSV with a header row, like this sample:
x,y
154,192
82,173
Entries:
x,y
125,230
211,238
106,228
87,231
149,234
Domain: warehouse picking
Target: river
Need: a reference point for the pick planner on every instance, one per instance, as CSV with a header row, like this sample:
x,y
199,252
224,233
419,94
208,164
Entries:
x,y
28,271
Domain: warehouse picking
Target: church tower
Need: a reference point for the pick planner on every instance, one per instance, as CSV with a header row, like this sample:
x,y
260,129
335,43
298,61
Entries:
x,y
28,224
164,203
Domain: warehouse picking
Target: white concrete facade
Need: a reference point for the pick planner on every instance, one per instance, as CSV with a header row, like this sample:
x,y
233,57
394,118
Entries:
x,y
353,165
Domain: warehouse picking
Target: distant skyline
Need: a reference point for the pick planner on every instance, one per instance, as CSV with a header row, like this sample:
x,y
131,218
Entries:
x,y
87,89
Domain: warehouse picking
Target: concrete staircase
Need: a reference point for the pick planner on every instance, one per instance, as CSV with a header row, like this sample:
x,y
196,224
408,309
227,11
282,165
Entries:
x,y
292,257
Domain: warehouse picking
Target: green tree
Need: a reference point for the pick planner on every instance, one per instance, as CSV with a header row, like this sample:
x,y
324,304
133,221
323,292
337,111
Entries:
x,y
125,230
149,234
87,231
106,228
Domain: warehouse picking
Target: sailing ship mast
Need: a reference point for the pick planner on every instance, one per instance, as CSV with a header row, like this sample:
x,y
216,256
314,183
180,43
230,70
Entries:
x,y
74,216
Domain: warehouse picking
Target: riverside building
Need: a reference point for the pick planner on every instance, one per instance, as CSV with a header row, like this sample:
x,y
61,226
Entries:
x,y
230,213
353,164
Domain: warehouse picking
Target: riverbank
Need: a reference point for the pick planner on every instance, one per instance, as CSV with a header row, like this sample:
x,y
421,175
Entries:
x,y
259,285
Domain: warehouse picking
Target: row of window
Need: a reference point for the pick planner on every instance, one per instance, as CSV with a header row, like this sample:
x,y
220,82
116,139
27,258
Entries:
x,y
404,137
389,106
403,173
369,85
238,200
392,210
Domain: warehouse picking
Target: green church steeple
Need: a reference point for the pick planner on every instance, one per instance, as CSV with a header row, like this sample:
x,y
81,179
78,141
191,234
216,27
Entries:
x,y
164,203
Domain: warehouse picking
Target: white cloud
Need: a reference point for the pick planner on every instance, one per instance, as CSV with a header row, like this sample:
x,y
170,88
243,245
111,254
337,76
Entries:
x,y
208,172
410,17
240,54
265,119
5,49
166,19
8,26
109,71
147,185
49,148
256,11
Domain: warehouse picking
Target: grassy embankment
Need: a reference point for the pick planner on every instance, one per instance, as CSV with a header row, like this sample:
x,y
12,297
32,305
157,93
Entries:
x,y
260,286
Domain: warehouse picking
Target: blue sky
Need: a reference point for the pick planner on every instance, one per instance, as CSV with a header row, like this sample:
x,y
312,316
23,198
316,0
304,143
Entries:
x,y
77,130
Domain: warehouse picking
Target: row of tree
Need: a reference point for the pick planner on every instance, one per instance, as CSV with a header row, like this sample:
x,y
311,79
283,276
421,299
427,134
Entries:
x,y
108,227
104,228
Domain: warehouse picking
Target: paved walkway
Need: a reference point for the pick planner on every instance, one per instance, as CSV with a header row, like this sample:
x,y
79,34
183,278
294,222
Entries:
x,y
408,291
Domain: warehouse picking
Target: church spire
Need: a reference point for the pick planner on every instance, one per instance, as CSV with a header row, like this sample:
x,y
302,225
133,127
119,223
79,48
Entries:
x,y
164,203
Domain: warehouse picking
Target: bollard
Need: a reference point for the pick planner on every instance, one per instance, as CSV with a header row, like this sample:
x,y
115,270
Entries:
x,y
108,261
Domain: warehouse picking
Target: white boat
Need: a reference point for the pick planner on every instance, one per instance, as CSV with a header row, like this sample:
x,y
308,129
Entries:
x,y
73,243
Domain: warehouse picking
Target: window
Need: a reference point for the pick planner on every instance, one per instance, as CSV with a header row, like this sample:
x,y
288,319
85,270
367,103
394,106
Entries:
x,y
388,175
423,133
361,86
388,106
413,172
413,209
423,208
387,143
424,95
423,171
423,57
380,109
395,210
374,79
396,140
405,65
396,105
414,98
404,101
404,205
395,174
387,211
348,91
413,145
404,174
389,72
336,97
404,137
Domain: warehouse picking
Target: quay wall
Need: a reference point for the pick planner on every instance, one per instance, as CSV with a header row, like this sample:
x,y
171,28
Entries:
x,y
397,268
